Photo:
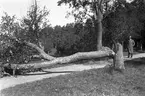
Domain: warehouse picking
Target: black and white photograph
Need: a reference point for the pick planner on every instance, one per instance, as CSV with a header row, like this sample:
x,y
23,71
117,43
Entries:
x,y
72,47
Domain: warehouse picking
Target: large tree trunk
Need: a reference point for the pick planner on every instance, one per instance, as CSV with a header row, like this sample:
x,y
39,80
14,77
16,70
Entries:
x,y
67,59
118,58
99,35
98,14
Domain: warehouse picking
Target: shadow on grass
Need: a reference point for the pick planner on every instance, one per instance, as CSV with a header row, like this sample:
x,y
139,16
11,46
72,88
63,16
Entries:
x,y
47,72
135,62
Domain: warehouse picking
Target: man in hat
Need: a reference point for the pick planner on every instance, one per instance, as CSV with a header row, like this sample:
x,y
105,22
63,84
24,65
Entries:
x,y
131,43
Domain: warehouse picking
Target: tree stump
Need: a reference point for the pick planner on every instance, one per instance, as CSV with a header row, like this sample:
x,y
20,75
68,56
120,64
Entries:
x,y
118,58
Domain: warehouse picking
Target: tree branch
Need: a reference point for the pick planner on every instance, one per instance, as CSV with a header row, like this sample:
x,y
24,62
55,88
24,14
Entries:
x,y
41,51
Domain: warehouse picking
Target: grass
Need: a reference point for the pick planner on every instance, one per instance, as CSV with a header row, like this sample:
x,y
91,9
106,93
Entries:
x,y
88,83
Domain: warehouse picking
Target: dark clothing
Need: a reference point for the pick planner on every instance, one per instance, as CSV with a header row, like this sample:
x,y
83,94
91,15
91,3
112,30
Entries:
x,y
131,43
130,55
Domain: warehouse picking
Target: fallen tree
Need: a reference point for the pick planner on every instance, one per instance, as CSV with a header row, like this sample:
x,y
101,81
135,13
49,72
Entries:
x,y
64,60
104,52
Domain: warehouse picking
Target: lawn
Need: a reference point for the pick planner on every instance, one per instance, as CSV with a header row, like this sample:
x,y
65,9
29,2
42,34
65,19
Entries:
x,y
95,82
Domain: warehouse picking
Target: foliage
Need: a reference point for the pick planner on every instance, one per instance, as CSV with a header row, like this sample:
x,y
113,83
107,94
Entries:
x,y
61,38
8,24
88,37
141,17
11,50
122,23
35,21
84,9
16,54
118,25
95,10
74,37
8,27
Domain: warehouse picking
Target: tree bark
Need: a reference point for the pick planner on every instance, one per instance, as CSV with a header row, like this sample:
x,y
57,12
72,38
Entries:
x,y
99,34
98,22
62,60
118,58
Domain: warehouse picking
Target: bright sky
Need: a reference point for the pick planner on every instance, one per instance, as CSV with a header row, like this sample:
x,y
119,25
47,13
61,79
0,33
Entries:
x,y
20,7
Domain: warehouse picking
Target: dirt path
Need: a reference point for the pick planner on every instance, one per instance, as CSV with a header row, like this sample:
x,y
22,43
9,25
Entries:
x,y
12,81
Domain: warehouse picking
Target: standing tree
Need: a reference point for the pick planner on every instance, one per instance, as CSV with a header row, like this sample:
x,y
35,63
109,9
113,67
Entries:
x,y
82,9
122,23
35,21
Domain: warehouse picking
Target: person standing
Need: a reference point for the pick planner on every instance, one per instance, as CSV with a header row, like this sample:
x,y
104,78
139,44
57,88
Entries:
x,y
131,43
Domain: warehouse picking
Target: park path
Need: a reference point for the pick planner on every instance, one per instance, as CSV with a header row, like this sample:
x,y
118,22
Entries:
x,y
53,72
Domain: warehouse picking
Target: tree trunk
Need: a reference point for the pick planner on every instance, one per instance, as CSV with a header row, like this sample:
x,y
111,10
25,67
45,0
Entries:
x,y
98,17
118,58
141,45
99,35
67,59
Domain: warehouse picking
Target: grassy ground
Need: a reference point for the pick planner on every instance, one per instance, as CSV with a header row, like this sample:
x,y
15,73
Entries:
x,y
94,82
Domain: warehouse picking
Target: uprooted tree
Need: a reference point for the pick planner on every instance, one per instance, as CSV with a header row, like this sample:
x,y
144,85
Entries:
x,y
32,25
104,52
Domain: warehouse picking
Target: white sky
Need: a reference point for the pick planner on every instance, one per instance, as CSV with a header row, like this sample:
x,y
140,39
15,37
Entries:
x,y
20,8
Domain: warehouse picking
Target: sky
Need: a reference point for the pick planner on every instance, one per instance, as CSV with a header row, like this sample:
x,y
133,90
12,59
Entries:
x,y
20,8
